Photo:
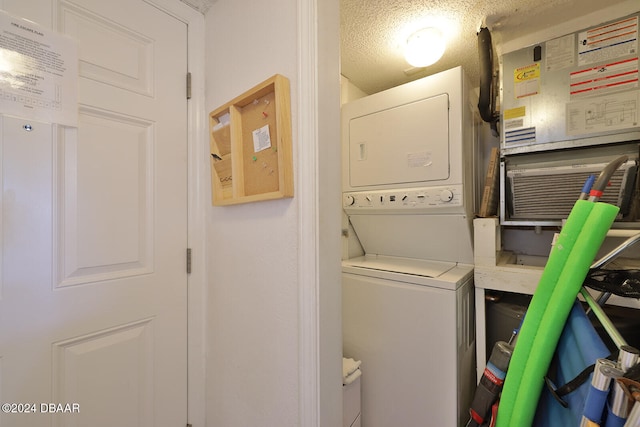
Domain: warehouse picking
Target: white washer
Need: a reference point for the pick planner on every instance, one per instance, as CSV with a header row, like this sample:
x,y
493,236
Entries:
x,y
408,302
414,335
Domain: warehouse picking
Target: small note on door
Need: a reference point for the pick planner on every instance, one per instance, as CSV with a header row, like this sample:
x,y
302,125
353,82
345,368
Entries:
x,y
419,159
261,139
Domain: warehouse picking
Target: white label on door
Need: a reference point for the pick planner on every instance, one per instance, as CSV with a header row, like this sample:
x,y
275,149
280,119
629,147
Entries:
x,y
419,160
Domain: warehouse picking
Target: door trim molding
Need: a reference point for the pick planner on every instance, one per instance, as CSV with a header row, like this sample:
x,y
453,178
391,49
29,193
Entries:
x,y
308,278
319,268
198,193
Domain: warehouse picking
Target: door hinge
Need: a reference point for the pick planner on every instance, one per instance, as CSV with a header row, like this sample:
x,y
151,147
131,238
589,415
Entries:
x,y
188,260
188,85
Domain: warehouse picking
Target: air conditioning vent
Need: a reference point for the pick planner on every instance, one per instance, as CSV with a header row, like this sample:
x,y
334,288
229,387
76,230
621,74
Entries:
x,y
550,192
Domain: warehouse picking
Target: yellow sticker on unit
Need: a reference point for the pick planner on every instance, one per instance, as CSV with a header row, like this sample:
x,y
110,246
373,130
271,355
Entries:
x,y
514,112
526,80
527,73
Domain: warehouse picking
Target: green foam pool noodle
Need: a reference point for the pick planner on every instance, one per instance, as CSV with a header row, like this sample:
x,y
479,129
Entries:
x,y
557,259
555,316
562,278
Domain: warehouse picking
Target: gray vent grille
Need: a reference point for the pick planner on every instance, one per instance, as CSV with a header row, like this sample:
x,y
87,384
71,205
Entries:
x,y
551,193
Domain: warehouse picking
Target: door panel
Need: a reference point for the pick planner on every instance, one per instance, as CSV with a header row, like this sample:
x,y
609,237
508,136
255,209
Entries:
x,y
131,68
107,218
93,285
126,380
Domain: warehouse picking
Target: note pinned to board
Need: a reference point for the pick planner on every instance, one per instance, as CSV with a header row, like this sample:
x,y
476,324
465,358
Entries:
x,y
261,139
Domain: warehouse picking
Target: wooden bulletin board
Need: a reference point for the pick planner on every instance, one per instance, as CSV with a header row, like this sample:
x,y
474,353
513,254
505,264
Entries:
x,y
250,144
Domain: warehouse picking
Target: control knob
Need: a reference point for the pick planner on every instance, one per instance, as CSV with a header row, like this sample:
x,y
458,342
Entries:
x,y
446,195
349,200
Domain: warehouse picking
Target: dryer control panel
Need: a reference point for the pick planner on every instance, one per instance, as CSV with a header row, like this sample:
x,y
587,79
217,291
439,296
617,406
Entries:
x,y
410,200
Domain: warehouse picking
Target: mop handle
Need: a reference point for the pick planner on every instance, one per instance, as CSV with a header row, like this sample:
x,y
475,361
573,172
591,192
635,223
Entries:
x,y
619,403
604,372
586,188
603,179
611,330
634,417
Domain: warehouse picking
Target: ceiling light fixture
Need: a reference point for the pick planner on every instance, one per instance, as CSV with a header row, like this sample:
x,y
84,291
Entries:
x,y
424,47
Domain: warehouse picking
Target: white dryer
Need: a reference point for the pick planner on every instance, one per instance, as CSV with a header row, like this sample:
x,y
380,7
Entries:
x,y
408,302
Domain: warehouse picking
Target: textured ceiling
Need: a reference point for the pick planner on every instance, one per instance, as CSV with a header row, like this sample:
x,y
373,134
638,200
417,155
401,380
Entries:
x,y
373,31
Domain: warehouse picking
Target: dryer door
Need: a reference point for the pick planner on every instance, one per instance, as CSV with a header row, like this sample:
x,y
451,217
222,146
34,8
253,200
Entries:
x,y
404,144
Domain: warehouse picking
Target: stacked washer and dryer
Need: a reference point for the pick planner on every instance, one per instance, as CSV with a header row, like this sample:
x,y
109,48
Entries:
x,y
408,167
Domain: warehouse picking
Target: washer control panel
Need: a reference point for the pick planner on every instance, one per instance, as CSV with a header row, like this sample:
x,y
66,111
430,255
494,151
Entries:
x,y
409,199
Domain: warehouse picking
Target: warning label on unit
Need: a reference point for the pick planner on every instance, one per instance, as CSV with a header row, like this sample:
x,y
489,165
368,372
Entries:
x,y
560,53
608,42
604,78
526,80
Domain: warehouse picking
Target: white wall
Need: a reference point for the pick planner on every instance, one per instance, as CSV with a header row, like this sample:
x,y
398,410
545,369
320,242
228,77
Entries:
x,y
252,328
273,306
348,91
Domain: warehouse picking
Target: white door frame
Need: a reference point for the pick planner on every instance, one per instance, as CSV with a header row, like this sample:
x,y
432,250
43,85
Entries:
x,y
313,371
319,268
198,191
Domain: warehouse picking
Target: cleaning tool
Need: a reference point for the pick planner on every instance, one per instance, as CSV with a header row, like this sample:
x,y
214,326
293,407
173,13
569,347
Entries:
x,y
586,188
601,183
634,416
619,404
490,384
607,324
604,371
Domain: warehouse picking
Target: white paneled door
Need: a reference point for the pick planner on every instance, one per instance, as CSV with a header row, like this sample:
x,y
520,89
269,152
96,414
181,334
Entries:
x,y
93,290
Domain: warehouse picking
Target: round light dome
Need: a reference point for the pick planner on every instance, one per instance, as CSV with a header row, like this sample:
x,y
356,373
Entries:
x,y
424,47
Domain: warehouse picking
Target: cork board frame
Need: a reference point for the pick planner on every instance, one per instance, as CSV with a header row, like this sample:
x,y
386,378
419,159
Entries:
x,y
250,144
